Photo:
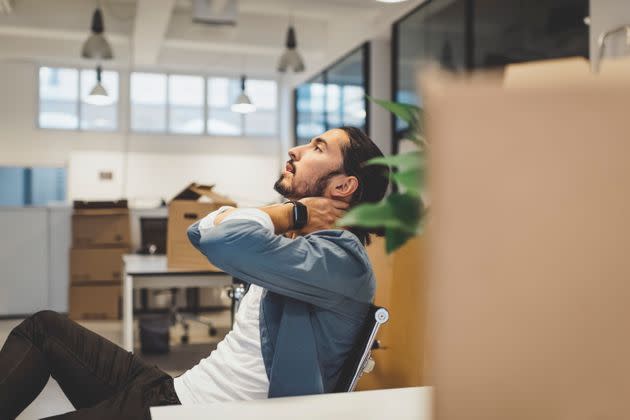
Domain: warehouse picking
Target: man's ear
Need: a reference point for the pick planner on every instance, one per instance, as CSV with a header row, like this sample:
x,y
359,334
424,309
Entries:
x,y
343,186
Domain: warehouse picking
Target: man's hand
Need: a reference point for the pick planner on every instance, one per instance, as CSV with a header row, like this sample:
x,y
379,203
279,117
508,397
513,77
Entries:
x,y
323,213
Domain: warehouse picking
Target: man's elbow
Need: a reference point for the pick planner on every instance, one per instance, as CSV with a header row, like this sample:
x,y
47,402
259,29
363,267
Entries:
x,y
216,247
226,243
194,236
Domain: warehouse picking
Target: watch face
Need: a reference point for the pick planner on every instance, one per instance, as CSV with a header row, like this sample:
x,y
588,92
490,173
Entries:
x,y
300,215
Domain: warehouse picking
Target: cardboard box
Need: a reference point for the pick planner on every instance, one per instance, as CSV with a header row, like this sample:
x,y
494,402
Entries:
x,y
190,205
95,302
529,268
101,228
96,264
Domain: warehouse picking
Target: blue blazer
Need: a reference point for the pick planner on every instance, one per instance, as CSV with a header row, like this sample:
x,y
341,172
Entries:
x,y
318,289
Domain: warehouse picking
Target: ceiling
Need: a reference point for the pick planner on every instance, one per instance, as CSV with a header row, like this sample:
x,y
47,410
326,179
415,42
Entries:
x,y
160,33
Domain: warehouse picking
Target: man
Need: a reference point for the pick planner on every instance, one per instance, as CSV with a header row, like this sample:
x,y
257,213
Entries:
x,y
311,286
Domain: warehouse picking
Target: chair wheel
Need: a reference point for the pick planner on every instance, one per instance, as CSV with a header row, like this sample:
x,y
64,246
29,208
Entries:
x,y
212,331
185,339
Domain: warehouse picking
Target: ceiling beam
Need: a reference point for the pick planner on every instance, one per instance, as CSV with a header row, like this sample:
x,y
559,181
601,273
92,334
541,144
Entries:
x,y
149,31
58,34
233,47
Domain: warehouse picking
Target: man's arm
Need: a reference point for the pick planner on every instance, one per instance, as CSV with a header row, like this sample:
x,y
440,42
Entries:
x,y
281,217
322,212
323,269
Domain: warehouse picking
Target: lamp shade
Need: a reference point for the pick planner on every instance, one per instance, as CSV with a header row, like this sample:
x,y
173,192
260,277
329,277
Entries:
x,y
291,58
243,105
97,46
98,95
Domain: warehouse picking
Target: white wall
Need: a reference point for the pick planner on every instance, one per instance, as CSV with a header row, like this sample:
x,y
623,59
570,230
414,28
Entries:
x,y
157,166
245,178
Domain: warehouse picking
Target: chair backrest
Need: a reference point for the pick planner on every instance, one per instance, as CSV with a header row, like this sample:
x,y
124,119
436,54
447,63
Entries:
x,y
360,355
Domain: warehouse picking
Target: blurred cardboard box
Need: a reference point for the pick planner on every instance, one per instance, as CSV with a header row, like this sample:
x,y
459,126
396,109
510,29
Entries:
x,y
95,302
193,203
100,228
529,269
101,234
96,264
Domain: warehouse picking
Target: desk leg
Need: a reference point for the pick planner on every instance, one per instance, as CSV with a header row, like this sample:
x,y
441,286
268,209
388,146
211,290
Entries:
x,y
128,312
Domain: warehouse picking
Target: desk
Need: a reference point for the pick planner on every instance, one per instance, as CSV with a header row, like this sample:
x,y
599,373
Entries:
x,y
399,403
151,272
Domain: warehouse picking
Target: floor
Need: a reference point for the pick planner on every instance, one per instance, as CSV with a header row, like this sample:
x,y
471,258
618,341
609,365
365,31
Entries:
x,y
52,401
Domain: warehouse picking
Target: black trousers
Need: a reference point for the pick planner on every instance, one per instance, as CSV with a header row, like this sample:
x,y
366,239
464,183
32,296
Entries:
x,y
101,380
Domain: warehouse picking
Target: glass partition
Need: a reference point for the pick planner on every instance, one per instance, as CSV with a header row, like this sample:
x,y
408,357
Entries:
x,y
463,35
333,98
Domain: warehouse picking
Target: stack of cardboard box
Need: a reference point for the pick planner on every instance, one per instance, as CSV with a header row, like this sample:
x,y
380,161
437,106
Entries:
x,y
192,204
100,237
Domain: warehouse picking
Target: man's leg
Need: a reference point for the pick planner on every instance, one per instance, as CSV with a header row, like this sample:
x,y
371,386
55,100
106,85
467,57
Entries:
x,y
88,368
132,403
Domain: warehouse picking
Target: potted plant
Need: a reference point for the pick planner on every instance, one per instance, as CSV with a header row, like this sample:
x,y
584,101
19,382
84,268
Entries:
x,y
402,212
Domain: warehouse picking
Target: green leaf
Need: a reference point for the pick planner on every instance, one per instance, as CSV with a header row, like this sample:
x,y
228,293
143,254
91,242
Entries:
x,y
395,238
411,181
371,215
411,114
397,211
404,162
407,208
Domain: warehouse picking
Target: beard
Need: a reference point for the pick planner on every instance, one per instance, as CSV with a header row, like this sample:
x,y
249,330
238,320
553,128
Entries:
x,y
314,189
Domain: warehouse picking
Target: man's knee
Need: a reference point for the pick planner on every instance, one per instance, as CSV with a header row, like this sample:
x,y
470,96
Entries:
x,y
38,324
46,317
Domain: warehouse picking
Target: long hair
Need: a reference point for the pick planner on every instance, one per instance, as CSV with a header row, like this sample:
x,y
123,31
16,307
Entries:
x,y
373,179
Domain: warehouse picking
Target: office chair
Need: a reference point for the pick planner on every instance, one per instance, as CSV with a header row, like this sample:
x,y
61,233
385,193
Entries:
x,y
360,360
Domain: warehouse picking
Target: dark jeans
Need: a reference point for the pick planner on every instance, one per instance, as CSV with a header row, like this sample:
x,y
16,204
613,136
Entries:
x,y
101,380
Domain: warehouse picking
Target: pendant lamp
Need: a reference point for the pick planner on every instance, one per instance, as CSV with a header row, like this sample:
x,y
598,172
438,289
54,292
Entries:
x,y
242,104
291,58
97,46
98,95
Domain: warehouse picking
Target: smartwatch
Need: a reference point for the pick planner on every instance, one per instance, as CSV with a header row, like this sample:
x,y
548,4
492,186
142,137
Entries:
x,y
300,214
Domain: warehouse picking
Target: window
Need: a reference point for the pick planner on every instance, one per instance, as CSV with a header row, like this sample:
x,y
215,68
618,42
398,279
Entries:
x,y
62,92
186,101
58,98
462,35
175,104
99,117
334,98
263,94
148,102
20,186
221,120
310,101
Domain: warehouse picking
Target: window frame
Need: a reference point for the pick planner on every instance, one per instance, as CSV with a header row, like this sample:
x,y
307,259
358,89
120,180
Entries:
x,y
206,106
365,50
124,109
78,129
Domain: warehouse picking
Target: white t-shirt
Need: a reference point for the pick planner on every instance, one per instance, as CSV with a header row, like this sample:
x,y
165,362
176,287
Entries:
x,y
235,370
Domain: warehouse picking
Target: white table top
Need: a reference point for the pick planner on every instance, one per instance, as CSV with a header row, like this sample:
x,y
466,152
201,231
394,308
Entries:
x,y
137,264
400,403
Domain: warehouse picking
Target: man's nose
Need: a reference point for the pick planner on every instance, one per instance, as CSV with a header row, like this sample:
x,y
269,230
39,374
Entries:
x,y
293,154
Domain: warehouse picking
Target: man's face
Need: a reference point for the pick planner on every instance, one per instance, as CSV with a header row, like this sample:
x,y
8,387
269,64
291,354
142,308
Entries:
x,y
311,165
